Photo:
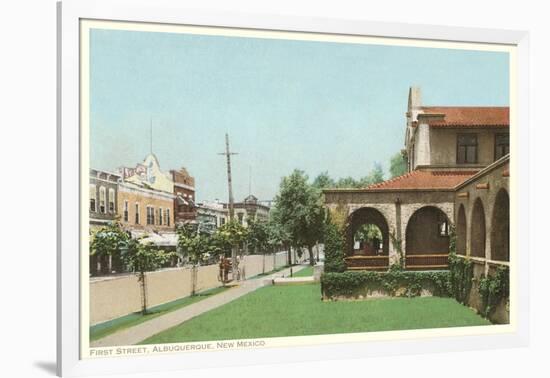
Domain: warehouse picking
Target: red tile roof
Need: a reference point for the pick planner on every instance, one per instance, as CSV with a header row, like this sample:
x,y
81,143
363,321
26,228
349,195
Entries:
x,y
425,180
470,116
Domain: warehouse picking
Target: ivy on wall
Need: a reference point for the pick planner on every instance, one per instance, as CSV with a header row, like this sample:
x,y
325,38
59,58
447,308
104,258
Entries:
x,y
461,274
493,289
350,283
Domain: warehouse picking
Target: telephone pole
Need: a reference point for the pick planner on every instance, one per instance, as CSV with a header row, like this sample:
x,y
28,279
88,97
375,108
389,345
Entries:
x,y
228,154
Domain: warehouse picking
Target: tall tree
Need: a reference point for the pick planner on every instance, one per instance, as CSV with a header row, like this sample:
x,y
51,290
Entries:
x,y
347,182
301,211
279,235
323,181
398,164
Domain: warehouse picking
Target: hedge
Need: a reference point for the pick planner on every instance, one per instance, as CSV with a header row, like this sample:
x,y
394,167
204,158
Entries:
x,y
350,283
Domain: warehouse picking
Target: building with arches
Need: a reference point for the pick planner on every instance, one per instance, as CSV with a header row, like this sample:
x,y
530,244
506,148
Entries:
x,y
458,173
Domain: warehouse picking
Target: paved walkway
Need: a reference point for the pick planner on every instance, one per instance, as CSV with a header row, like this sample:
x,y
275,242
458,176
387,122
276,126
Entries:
x,y
140,332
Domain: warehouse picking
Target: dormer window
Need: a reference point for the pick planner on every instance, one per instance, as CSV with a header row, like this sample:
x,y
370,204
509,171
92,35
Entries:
x,y
466,149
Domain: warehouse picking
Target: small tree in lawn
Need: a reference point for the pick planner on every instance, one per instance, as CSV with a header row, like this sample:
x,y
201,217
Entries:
x,y
196,247
231,235
258,238
109,241
142,258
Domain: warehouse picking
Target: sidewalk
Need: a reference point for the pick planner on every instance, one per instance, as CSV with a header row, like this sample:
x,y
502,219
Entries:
x,y
140,332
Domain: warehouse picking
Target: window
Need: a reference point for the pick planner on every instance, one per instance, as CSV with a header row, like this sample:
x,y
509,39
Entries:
x,y
137,213
241,218
93,198
125,214
150,215
222,221
167,217
102,199
466,151
111,200
160,216
502,145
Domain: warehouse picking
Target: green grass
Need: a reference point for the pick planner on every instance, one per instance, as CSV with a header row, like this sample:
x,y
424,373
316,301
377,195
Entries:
x,y
268,273
306,272
276,311
101,330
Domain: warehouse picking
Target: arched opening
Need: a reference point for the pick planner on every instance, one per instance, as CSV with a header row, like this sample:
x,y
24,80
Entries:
x,y
369,225
367,240
427,239
461,228
500,228
477,224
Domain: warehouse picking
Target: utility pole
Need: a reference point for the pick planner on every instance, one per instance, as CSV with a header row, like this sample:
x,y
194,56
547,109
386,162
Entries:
x,y
151,136
228,154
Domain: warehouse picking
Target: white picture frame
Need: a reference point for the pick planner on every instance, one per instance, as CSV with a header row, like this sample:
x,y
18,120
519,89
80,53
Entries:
x,y
69,177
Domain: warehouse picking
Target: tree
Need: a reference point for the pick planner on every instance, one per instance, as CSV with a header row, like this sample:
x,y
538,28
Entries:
x,y
279,235
376,175
258,238
195,247
347,182
142,258
300,211
231,235
109,241
398,164
323,181
258,235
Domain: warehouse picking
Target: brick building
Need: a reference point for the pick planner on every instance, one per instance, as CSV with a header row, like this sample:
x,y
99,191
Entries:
x,y
185,209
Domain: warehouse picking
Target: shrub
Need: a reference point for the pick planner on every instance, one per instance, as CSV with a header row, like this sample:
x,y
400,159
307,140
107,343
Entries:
x,y
349,283
334,249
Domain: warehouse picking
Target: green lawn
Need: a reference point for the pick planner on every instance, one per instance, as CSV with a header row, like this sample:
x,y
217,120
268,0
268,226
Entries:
x,y
306,272
268,273
275,311
103,329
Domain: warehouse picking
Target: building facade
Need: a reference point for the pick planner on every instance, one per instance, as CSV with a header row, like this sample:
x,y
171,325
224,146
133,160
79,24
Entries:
x,y
250,209
103,202
185,210
146,202
211,215
103,198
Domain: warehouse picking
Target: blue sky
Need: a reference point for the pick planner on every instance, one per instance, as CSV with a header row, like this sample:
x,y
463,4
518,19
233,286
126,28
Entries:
x,y
314,106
